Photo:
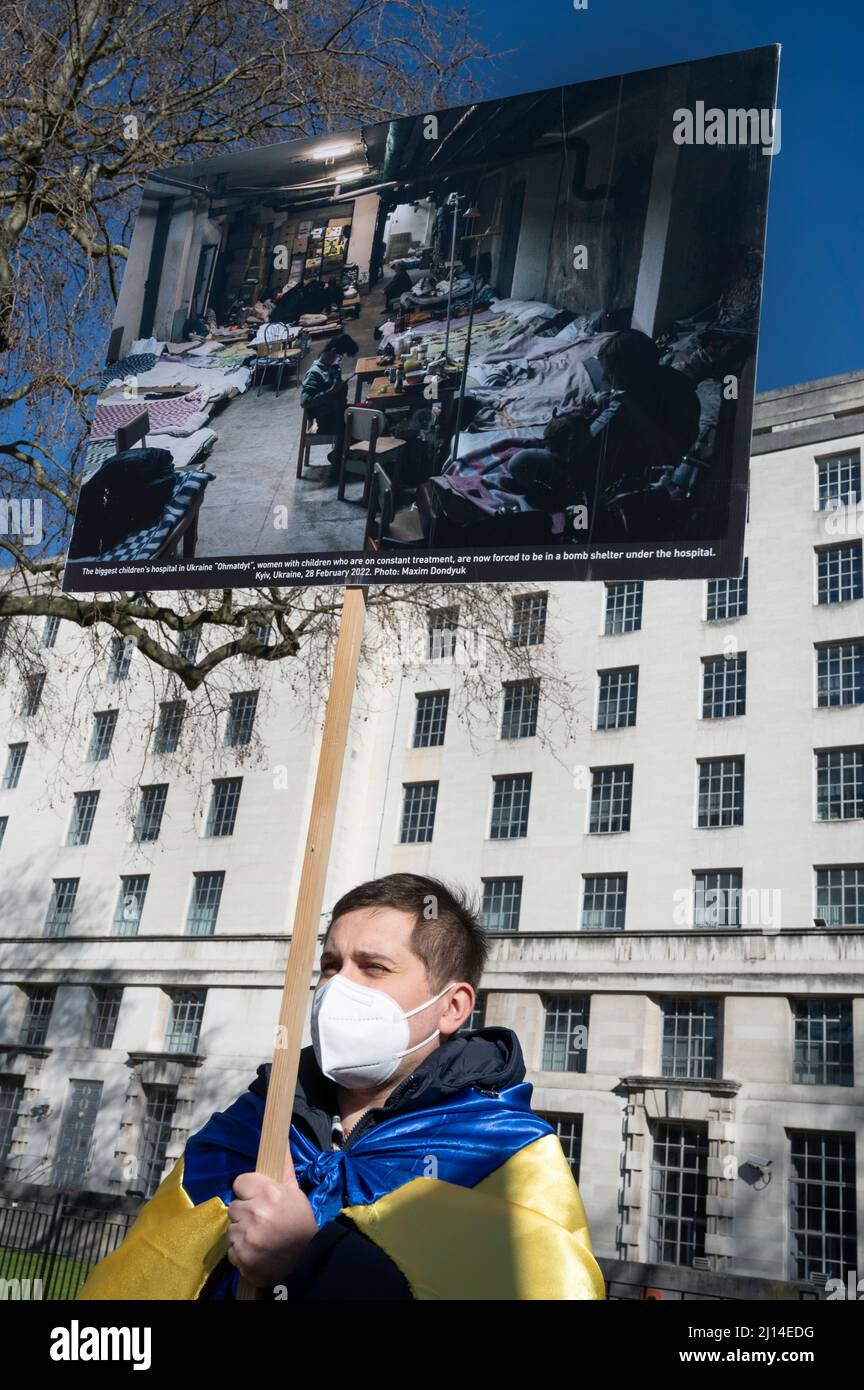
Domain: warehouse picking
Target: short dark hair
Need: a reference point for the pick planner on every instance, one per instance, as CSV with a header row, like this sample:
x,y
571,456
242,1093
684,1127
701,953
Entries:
x,y
447,936
342,343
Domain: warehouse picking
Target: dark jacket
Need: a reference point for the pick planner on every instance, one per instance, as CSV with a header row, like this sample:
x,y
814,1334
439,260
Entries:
x,y
339,1262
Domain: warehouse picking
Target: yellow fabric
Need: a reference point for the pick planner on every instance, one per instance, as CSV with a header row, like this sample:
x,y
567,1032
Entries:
x,y
521,1233
170,1251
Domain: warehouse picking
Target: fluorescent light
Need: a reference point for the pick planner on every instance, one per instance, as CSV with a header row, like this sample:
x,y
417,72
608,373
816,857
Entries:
x,y
345,174
333,152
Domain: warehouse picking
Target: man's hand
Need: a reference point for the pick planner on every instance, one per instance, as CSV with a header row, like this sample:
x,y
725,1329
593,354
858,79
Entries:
x,y
270,1225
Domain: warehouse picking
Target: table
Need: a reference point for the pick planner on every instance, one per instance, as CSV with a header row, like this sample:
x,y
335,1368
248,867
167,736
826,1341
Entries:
x,y
367,368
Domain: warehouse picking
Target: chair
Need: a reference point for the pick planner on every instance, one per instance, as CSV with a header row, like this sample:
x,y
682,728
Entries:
x,y
364,441
271,353
310,436
400,528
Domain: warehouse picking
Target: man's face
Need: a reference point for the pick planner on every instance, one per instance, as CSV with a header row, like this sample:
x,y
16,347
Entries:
x,y
372,947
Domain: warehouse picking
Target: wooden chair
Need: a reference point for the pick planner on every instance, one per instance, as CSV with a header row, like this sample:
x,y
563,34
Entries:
x,y
310,437
364,441
396,528
273,352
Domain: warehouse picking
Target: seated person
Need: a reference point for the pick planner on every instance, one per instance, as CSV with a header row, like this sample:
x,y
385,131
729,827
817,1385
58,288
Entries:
x,y
400,283
324,394
287,307
561,474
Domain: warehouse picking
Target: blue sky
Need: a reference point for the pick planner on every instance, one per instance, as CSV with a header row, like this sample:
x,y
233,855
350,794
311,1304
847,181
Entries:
x,y
813,306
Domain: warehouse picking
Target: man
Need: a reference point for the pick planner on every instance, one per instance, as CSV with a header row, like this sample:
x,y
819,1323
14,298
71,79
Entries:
x,y
420,1171
324,394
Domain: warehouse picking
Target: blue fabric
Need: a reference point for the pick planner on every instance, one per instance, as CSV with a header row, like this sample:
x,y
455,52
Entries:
x,y
459,1141
142,544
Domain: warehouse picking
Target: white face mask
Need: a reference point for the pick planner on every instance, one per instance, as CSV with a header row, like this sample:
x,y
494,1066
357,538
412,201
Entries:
x,y
360,1034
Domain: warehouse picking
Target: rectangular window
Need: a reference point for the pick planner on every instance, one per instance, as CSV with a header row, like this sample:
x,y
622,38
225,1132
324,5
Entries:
x,y
148,822
11,1097
565,1033
443,624
721,792
83,815
50,630
623,607
4,821
679,1193
529,619
14,764
691,1038
159,1106
502,904
170,726
823,1042
204,907
520,709
616,698
106,1011
419,802
430,719
840,784
261,633
839,481
727,598
120,659
63,894
477,1017
104,724
604,902
37,1016
130,904
511,800
241,718
184,1021
839,573
724,686
32,698
717,898
187,644
224,802
569,1131
840,673
840,895
823,1226
611,799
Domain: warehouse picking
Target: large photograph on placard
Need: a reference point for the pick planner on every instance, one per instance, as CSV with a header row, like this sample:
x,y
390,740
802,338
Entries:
x,y
517,337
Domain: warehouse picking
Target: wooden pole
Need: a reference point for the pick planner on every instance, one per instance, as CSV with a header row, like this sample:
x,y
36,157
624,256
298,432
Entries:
x,y
274,1154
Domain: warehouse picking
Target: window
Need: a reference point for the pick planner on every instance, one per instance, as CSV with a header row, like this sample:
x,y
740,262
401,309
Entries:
x,y
184,1020
839,481
822,1225
120,659
502,904
261,633
418,812
50,630
430,719
721,792
691,1030
840,784
83,814
37,1016
604,902
4,821
170,726
477,1016
840,673
224,801
616,699
839,573
717,898
33,687
106,1012
187,644
840,896
519,711
150,808
511,798
569,1131
565,1034
529,619
241,718
11,1096
611,797
159,1105
727,598
14,764
679,1191
623,607
104,724
204,907
823,1042
442,633
130,904
63,894
724,686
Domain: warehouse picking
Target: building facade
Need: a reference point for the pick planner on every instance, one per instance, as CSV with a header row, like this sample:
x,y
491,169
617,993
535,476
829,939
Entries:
x,y
674,890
